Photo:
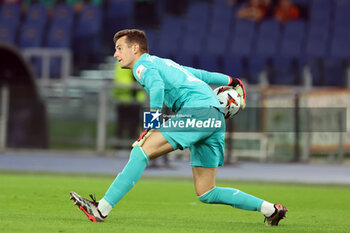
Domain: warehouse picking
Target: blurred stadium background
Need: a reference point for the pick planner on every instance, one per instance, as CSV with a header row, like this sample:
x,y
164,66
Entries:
x,y
59,79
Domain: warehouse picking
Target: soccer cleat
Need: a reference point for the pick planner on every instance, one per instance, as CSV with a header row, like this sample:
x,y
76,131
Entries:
x,y
88,207
280,213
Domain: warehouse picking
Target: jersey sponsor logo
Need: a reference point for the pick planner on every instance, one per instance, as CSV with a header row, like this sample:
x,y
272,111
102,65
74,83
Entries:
x,y
140,70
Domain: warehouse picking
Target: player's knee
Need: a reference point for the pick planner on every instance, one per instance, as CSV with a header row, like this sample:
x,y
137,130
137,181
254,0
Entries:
x,y
138,153
209,196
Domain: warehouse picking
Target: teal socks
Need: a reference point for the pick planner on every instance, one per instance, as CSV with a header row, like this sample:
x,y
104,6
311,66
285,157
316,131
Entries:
x,y
128,177
233,197
137,164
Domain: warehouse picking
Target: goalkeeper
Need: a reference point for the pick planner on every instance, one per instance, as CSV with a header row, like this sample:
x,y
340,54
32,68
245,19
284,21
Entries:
x,y
180,88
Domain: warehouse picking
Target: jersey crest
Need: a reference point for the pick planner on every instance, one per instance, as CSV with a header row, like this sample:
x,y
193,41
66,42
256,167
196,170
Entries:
x,y
140,70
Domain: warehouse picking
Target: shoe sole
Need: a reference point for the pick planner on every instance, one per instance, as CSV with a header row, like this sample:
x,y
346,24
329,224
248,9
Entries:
x,y
77,202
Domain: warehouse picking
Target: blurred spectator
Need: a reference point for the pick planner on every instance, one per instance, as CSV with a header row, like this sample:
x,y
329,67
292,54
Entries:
x,y
255,10
286,11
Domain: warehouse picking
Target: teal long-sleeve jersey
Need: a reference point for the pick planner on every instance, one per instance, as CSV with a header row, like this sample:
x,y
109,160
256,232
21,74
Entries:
x,y
177,86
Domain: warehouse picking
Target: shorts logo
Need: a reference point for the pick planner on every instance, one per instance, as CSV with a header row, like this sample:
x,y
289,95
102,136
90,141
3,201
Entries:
x,y
151,120
140,70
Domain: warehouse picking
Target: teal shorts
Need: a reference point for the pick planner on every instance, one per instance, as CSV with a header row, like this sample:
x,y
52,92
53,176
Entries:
x,y
206,139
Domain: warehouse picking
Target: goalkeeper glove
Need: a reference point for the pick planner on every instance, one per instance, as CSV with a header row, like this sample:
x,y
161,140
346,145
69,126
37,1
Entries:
x,y
239,87
143,136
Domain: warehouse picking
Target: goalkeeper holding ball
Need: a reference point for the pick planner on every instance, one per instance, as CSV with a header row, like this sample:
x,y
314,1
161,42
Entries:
x,y
184,90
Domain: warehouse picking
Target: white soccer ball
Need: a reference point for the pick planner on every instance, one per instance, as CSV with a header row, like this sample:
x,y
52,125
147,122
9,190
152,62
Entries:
x,y
229,99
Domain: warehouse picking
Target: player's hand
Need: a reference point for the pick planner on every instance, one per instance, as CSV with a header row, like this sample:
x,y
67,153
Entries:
x,y
239,87
143,136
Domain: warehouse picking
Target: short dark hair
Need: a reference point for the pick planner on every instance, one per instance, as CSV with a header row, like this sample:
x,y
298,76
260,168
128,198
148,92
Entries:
x,y
133,36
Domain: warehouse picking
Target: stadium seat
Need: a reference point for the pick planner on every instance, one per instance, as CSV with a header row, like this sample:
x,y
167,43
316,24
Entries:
x,y
63,14
185,59
59,36
192,44
242,38
221,13
216,44
119,16
286,71
208,61
316,41
321,3
87,35
222,3
196,20
292,39
233,65
316,49
218,27
256,64
331,69
339,46
170,34
152,39
344,4
287,63
171,23
89,21
10,14
37,14
338,57
196,29
341,17
334,72
7,33
316,68
120,8
268,37
320,11
198,12
31,36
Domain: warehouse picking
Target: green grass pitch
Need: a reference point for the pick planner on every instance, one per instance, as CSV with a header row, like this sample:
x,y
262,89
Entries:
x,y
40,203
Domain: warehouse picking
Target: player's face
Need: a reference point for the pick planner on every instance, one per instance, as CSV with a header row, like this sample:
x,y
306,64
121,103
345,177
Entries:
x,y
125,53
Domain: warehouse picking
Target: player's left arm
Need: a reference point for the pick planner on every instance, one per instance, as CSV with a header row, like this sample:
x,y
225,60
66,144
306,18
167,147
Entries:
x,y
213,78
155,86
